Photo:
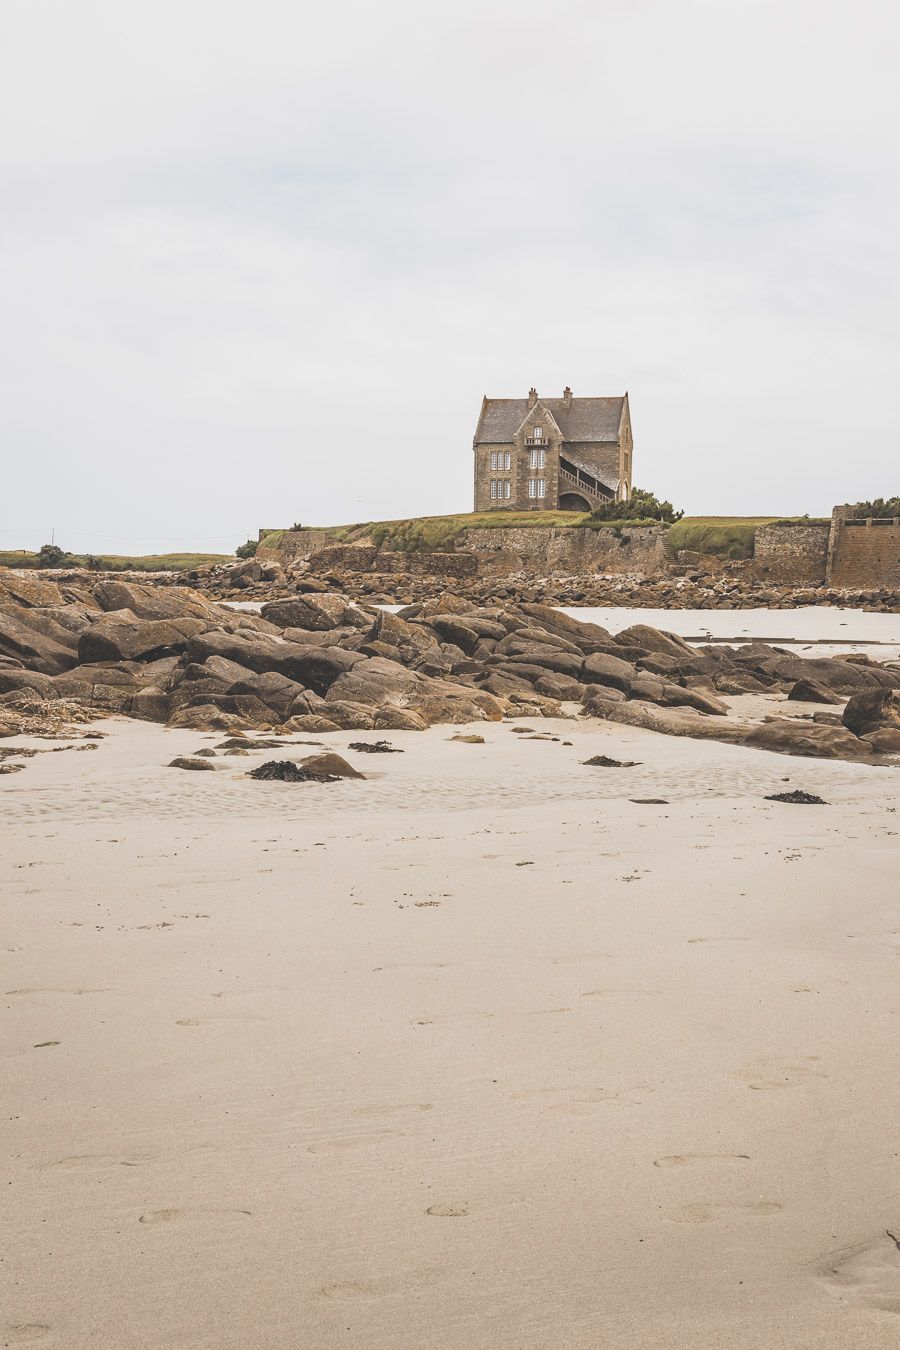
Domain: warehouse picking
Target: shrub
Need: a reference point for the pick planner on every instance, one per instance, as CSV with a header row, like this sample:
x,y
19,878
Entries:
x,y
879,506
51,555
247,550
641,505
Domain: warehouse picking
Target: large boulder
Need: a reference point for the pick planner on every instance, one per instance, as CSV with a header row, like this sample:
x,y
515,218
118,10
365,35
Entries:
x,y
584,635
841,677
28,590
375,680
543,655
315,612
120,636
811,691
392,718
48,652
152,602
314,667
275,691
610,670
653,640
791,736
875,710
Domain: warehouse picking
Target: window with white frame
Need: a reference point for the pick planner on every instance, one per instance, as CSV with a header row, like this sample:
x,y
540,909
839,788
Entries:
x,y
536,458
537,433
499,459
537,487
500,489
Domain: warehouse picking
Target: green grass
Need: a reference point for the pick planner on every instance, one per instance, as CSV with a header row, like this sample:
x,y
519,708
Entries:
x,y
723,536
117,562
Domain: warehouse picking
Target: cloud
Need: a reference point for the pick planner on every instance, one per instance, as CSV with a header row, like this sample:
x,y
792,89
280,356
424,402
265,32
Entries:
x,y
260,264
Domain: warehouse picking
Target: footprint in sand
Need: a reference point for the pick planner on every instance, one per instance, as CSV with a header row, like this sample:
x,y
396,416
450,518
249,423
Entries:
x,y
157,1216
703,1213
684,1159
770,1074
23,1333
385,1286
346,1142
867,1274
97,1162
459,1210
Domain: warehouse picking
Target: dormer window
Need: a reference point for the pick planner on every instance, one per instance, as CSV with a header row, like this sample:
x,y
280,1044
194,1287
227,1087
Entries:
x,y
538,433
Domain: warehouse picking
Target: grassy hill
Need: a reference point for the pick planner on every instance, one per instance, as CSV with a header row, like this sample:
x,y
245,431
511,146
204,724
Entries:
x,y
115,562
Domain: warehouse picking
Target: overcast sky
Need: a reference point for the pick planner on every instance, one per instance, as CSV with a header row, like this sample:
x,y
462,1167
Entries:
x,y
260,261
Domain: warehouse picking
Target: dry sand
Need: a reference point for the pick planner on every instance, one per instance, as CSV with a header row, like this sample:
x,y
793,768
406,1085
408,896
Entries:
x,y
476,1053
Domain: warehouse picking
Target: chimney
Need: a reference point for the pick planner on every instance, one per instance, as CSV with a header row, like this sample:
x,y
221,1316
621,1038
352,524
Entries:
x,y
532,396
567,397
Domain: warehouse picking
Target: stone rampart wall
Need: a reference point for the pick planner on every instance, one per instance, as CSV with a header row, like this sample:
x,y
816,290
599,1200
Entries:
x,y
552,551
791,553
864,553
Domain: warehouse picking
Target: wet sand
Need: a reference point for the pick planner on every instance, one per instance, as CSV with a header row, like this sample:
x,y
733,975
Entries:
x,y
476,1053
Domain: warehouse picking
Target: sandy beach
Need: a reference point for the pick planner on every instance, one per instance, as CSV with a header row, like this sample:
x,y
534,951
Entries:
x,y
477,1052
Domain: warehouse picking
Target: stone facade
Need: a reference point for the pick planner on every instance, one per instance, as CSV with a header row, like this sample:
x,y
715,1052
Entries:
x,y
551,454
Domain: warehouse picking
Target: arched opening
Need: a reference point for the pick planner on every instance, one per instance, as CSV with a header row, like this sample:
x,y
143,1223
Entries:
x,y
571,501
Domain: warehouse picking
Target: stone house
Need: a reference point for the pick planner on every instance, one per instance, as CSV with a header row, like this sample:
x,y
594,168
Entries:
x,y
552,454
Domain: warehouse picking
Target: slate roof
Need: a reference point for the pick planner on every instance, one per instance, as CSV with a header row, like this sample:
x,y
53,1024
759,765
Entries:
x,y
585,419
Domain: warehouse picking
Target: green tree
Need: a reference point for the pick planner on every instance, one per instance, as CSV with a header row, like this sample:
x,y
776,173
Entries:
x,y
641,505
247,550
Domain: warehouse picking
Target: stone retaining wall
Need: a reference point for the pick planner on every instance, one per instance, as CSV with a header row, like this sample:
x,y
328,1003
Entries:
x,y
550,551
791,553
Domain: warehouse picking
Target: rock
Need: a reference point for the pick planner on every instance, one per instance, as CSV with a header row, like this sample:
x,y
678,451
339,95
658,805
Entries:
x,y
149,705
206,717
375,748
468,740
841,677
542,655
561,687
350,716
329,765
28,590
886,742
276,691
398,719
653,640
40,651
311,722
877,710
190,762
598,697
376,680
604,762
316,612
151,602
793,737
119,636
811,691
608,670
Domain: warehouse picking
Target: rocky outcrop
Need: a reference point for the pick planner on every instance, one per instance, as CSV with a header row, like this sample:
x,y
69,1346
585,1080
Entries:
x,y
173,656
